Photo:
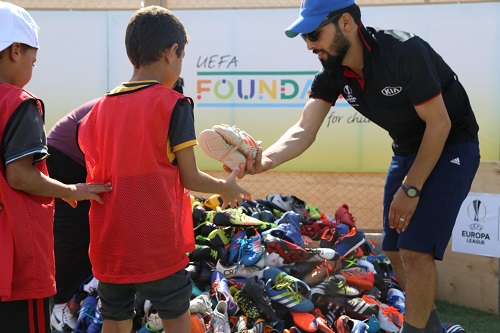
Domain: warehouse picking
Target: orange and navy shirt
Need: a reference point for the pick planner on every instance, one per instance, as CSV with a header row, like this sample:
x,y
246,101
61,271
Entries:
x,y
144,228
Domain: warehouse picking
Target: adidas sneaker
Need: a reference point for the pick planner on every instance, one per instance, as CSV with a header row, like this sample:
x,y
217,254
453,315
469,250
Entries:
x,y
200,304
238,138
151,316
452,328
220,319
238,270
214,145
62,320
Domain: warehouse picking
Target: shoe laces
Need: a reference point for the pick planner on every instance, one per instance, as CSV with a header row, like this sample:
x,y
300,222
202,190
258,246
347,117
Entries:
x,y
202,224
327,266
216,292
288,284
90,313
330,234
388,311
350,262
210,216
393,315
343,286
245,247
238,213
235,283
327,234
215,286
351,233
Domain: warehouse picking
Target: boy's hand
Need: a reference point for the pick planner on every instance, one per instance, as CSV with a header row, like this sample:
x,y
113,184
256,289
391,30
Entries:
x,y
234,190
87,191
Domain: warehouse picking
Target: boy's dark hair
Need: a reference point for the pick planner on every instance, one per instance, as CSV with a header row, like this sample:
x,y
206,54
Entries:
x,y
353,10
151,31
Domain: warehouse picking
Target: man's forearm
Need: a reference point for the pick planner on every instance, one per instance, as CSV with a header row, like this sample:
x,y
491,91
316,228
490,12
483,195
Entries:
x,y
292,144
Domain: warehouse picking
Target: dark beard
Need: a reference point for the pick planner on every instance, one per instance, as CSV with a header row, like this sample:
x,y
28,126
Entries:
x,y
341,45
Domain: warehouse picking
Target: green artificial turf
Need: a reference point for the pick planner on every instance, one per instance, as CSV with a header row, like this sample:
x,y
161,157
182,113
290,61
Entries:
x,y
472,320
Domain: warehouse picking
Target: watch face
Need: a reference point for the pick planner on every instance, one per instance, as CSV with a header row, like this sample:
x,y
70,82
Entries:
x,y
411,192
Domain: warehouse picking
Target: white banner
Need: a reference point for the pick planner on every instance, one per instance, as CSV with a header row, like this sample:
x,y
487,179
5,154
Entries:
x,y
242,70
477,230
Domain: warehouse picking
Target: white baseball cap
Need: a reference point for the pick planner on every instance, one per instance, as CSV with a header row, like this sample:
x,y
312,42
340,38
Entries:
x,y
16,26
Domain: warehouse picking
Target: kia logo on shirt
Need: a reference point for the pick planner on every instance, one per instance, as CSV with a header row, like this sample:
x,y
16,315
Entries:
x,y
391,91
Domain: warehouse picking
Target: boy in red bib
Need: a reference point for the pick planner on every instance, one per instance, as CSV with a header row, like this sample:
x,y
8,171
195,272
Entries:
x,y
140,137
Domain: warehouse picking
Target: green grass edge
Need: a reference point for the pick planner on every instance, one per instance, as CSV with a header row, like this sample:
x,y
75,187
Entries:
x,y
472,320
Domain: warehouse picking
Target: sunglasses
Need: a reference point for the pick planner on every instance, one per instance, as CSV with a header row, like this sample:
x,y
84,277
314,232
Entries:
x,y
314,35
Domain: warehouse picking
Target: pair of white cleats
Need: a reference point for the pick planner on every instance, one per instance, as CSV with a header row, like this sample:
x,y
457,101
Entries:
x,y
228,144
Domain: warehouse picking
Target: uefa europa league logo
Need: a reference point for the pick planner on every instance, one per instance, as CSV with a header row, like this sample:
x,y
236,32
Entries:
x,y
476,204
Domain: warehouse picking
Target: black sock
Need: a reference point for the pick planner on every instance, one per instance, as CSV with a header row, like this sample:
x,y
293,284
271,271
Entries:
x,y
407,328
434,323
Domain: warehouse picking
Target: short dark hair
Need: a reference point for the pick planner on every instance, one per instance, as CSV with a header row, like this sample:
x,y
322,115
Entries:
x,y
353,10
151,31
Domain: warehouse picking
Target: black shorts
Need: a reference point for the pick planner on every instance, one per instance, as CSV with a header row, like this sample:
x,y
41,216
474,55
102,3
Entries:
x,y
25,316
170,296
442,196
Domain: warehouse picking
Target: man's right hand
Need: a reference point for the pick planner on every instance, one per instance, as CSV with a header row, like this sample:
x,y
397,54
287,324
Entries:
x,y
253,166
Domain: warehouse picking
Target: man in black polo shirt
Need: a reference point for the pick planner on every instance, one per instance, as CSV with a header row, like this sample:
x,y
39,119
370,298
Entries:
x,y
399,82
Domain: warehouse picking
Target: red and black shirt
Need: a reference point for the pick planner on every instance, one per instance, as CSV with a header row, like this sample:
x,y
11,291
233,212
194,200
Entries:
x,y
400,72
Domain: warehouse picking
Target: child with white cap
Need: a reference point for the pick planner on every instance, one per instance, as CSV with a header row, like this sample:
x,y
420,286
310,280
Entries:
x,y
26,191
